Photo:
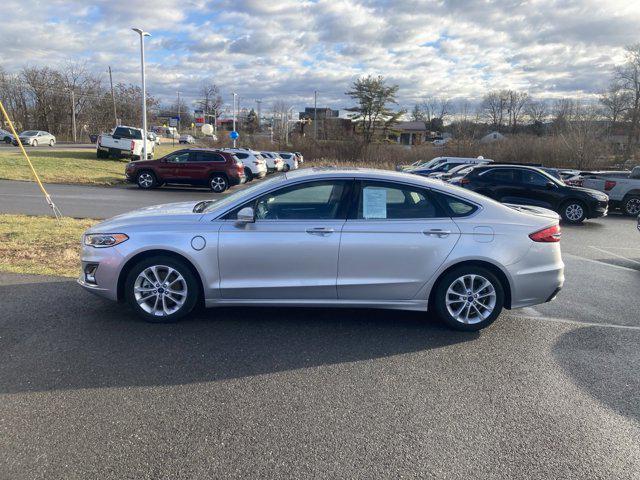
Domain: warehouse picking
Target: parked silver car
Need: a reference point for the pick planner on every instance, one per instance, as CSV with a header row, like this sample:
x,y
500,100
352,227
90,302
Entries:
x,y
322,237
35,137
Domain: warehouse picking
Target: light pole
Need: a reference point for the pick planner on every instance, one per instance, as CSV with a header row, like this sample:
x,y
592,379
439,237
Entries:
x,y
234,116
286,132
143,34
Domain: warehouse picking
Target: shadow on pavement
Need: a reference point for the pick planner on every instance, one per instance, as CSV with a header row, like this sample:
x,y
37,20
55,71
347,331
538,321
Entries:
x,y
604,362
56,336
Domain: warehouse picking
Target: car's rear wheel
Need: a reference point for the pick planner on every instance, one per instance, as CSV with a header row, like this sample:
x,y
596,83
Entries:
x,y
161,289
52,143
631,206
248,174
146,180
573,211
34,143
7,140
102,154
286,167
468,298
218,183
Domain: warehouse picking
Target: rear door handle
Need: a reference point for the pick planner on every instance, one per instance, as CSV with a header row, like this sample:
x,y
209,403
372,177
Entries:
x,y
437,232
320,231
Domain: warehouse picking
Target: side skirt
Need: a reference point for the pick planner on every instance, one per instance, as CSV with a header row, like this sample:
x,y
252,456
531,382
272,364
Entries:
x,y
415,305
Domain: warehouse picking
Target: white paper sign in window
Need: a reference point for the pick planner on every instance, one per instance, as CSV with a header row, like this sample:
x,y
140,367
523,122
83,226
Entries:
x,y
374,202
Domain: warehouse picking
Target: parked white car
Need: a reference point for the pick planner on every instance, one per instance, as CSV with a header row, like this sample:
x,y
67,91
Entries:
x,y
255,166
623,188
34,138
187,139
5,136
275,163
290,160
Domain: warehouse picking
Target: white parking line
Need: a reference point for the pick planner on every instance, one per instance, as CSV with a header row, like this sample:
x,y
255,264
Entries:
x,y
582,324
620,267
602,250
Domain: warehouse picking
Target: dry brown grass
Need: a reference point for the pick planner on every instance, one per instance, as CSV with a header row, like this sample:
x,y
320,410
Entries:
x,y
41,245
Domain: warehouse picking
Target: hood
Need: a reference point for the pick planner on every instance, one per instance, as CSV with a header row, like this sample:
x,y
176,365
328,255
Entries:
x,y
141,163
169,212
590,191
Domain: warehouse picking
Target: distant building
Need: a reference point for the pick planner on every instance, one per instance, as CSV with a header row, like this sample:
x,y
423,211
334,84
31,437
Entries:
x,y
331,124
492,137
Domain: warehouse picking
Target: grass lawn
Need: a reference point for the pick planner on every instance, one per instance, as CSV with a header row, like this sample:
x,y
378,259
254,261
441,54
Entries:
x,y
41,245
72,165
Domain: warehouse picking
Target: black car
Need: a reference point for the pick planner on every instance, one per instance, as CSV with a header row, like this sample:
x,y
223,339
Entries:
x,y
532,186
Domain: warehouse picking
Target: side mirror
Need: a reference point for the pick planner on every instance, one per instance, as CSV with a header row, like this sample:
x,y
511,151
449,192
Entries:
x,y
246,215
550,185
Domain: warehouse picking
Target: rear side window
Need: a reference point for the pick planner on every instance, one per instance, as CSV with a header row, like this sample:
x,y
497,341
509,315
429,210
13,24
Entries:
x,y
384,200
499,175
456,206
242,156
207,157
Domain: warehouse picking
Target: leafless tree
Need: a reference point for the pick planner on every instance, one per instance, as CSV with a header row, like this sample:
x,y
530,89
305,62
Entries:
x,y
537,111
494,108
615,100
628,77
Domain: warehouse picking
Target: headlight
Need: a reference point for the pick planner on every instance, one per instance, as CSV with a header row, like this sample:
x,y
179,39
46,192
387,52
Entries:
x,y
102,240
602,197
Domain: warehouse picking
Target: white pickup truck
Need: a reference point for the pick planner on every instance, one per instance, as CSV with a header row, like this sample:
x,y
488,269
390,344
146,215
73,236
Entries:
x,y
623,188
123,142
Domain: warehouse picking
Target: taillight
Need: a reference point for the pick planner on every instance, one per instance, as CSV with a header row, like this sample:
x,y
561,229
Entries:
x,y
549,234
133,145
608,185
99,140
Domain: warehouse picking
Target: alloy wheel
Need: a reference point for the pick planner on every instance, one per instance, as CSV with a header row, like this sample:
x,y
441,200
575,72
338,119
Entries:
x,y
632,207
470,299
574,212
218,184
145,180
160,290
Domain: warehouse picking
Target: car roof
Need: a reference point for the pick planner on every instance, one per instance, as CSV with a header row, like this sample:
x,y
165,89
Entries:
x,y
356,172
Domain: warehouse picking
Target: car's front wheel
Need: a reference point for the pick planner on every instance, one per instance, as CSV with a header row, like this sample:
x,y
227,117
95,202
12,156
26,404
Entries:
x,y
248,174
468,298
573,211
146,180
286,167
161,289
52,143
631,206
34,143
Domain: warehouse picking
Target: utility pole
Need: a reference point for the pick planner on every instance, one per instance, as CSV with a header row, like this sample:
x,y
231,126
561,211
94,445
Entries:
x,y
178,112
143,34
113,99
234,116
315,115
258,102
73,115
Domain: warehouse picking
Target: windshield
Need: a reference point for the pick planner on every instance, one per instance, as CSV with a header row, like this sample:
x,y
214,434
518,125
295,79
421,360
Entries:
x,y
29,133
230,199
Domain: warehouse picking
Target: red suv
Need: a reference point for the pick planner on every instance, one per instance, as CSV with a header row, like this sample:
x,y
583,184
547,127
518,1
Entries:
x,y
194,166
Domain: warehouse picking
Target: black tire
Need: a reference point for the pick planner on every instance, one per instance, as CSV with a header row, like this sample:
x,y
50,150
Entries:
x,y
475,323
188,282
218,183
102,154
247,173
631,206
52,143
146,180
286,167
7,140
35,143
573,212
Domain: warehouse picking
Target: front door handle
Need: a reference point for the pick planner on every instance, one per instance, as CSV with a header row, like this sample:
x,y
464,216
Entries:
x,y
320,231
437,232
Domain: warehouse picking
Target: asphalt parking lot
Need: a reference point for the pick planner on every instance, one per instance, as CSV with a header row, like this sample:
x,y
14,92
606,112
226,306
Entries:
x,y
87,390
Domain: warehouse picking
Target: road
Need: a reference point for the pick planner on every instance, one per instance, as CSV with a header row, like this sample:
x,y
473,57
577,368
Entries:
x,y
89,391
80,201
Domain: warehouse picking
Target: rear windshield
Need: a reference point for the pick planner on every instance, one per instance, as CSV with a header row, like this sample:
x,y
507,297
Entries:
x,y
124,132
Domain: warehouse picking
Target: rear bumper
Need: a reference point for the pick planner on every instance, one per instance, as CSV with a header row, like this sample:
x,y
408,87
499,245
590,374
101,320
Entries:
x,y
537,277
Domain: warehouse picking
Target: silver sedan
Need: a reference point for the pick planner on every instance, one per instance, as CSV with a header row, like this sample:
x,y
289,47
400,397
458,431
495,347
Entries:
x,y
330,238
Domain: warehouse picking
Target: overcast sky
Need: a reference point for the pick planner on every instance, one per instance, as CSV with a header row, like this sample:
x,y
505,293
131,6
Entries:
x,y
284,49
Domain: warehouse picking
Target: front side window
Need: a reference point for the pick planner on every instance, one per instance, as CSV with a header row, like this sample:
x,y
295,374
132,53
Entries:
x,y
382,200
182,157
310,201
534,178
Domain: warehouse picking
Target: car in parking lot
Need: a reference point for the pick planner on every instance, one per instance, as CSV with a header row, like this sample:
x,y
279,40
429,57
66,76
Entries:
x,y
291,160
193,166
187,139
275,163
525,185
340,238
623,188
34,138
254,165
6,137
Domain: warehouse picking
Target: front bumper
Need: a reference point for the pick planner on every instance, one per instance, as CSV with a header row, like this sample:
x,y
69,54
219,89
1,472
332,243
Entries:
x,y
109,264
